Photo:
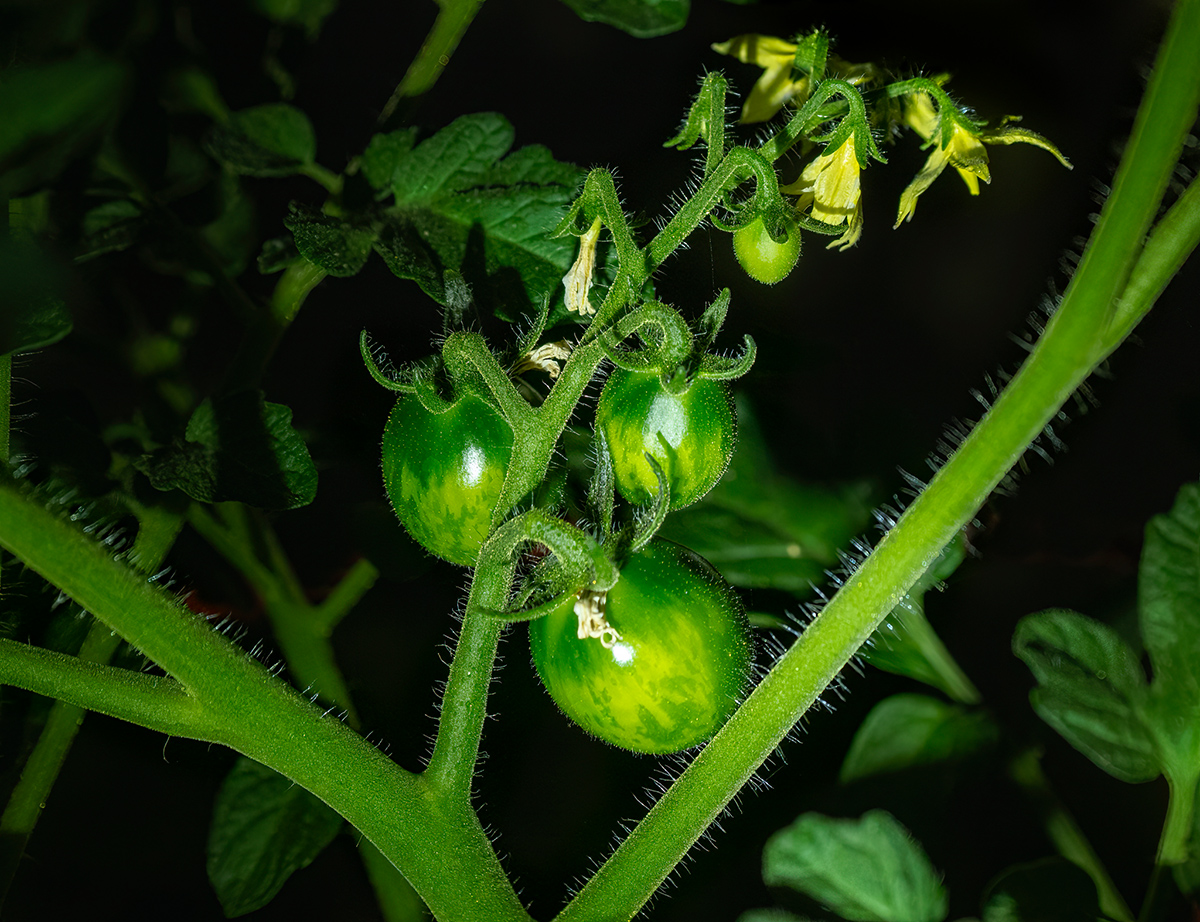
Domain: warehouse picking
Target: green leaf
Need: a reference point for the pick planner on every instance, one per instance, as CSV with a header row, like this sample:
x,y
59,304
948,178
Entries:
x,y
459,207
770,915
1169,598
1090,688
1051,890
264,828
865,870
763,530
383,155
33,314
307,14
52,114
241,448
908,730
270,140
109,228
339,247
640,18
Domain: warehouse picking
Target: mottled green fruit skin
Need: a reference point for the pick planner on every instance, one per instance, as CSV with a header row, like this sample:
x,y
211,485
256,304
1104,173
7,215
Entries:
x,y
679,669
691,435
763,259
444,472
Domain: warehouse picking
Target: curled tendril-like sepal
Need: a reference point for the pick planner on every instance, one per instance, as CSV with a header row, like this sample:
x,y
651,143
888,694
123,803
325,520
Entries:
x,y
728,368
647,523
664,333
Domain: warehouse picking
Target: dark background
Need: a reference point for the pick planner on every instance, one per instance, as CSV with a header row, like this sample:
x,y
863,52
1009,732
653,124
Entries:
x,y
864,356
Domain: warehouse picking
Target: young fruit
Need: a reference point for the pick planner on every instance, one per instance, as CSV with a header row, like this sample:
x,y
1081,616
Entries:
x,y
691,435
763,258
444,471
657,663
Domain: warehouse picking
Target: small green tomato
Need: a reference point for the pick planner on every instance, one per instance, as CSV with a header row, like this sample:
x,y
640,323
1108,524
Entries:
x,y
764,259
691,435
656,664
444,472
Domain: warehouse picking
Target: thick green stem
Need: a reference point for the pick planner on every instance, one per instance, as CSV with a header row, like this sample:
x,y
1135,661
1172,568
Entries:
x,y
1061,361
448,29
1177,829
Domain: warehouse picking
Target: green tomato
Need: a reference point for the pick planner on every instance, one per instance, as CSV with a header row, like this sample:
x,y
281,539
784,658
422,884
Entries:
x,y
664,658
691,435
764,259
444,472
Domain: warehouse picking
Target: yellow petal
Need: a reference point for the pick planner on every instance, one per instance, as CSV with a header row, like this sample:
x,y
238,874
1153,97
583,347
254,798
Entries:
x,y
763,50
932,170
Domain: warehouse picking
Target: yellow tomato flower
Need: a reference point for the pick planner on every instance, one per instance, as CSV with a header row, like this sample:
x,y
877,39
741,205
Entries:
x,y
829,187
964,150
775,87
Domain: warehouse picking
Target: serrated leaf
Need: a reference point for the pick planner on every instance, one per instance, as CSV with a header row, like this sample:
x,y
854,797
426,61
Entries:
x,y
459,207
339,247
865,870
264,828
905,731
1052,890
1090,689
52,114
383,155
640,18
34,315
269,140
763,530
240,448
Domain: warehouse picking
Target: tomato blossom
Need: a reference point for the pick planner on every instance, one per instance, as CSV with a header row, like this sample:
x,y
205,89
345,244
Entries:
x,y
962,148
775,88
830,187
578,281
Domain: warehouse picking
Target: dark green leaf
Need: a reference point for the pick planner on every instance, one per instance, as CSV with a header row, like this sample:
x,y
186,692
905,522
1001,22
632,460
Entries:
x,y
904,731
865,870
640,18
277,254
459,209
271,140
1169,597
1052,890
240,448
109,228
763,530
33,314
339,247
52,114
264,828
1090,689
770,915
307,14
383,155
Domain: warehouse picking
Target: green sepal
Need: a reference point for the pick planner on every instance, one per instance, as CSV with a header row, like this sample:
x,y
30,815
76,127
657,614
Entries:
x,y
812,54
649,520
673,341
728,368
380,367
705,121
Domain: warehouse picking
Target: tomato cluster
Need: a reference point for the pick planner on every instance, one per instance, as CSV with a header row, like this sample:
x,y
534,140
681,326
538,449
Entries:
x,y
664,656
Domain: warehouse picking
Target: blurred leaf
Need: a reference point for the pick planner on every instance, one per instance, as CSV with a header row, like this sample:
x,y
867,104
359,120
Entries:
x,y
1052,890
383,155
763,530
458,208
33,314
339,247
52,114
307,14
109,228
1090,687
264,828
904,731
770,915
240,448
640,18
270,140
865,870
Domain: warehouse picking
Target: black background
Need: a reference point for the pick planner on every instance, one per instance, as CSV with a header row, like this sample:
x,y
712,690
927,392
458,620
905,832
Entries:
x,y
864,356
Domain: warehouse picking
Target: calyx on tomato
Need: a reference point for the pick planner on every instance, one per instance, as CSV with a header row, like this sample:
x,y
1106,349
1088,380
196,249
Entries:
x,y
765,259
691,434
444,472
658,662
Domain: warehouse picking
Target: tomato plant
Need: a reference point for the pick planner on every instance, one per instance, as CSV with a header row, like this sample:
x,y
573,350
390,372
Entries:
x,y
663,658
764,258
444,471
691,434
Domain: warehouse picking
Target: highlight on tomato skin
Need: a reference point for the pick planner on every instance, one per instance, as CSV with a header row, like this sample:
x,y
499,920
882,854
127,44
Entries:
x,y
765,259
691,435
656,665
444,472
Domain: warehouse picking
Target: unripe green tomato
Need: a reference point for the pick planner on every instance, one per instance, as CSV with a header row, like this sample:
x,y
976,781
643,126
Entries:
x,y
764,259
444,472
691,435
669,664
